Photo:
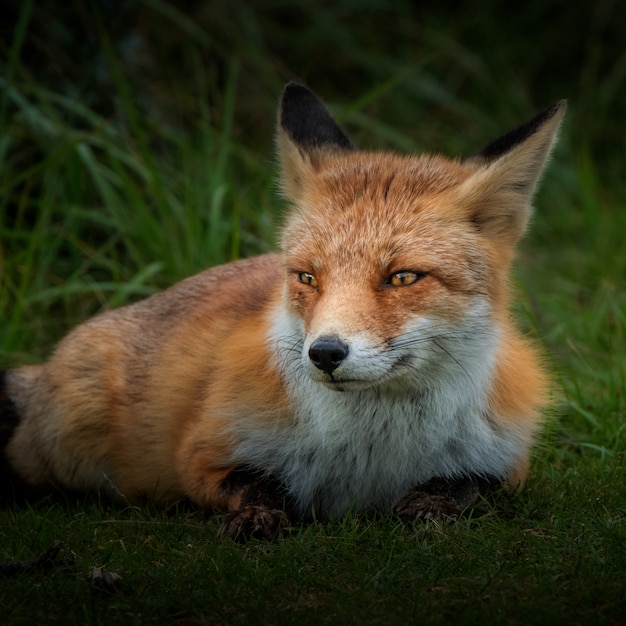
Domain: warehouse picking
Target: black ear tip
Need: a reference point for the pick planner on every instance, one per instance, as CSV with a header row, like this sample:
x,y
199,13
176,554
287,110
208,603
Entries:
x,y
505,143
308,122
295,91
553,109
297,97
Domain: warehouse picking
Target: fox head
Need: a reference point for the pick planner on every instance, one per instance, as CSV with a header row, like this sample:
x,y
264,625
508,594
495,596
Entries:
x,y
396,266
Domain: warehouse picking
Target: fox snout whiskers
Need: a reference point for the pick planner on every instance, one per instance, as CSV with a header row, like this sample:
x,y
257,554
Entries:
x,y
351,362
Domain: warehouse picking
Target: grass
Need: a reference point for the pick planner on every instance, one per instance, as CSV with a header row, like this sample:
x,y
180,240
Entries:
x,y
491,569
121,173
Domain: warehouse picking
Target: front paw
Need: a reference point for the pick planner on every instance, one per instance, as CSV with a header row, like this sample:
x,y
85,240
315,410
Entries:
x,y
423,506
255,521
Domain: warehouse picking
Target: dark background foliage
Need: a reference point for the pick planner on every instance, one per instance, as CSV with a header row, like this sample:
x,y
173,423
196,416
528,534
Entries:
x,y
438,54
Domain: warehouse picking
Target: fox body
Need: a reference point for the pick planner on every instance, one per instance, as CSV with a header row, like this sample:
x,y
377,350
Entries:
x,y
372,362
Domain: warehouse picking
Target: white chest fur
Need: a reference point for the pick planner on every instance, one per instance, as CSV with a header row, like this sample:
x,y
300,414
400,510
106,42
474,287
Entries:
x,y
369,447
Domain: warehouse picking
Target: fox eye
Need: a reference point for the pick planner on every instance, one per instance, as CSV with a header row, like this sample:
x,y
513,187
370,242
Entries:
x,y
404,278
308,279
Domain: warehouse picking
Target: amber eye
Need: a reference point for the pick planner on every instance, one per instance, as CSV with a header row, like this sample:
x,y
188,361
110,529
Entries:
x,y
401,279
308,279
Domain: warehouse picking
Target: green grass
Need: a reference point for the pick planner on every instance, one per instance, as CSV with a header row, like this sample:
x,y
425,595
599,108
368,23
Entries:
x,y
536,559
121,173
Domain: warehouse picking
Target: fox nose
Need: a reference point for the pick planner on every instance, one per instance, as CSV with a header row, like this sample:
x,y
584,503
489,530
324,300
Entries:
x,y
327,353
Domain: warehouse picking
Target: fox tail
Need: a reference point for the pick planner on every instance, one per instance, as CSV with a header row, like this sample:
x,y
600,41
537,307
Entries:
x,y
11,485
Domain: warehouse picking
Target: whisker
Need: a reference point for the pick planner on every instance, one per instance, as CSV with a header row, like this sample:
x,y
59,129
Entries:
x,y
453,358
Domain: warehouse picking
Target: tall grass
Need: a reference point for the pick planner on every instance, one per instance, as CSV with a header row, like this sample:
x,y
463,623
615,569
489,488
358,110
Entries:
x,y
98,212
137,150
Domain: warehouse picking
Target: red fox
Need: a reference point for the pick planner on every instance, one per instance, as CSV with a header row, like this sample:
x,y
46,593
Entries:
x,y
370,363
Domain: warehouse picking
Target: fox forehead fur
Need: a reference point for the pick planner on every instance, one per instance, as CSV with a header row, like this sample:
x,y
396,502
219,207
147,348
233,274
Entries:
x,y
374,353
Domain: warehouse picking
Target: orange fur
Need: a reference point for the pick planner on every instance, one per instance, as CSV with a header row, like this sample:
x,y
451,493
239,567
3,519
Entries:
x,y
374,353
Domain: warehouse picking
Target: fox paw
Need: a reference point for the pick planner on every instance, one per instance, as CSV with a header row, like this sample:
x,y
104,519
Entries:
x,y
255,521
424,506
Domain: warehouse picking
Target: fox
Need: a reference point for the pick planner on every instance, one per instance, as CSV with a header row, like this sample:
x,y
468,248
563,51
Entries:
x,y
371,363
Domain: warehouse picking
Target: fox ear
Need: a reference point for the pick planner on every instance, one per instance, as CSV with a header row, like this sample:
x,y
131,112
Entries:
x,y
499,193
306,133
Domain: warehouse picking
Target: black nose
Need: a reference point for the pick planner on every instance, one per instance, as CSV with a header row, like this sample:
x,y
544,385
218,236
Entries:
x,y
327,353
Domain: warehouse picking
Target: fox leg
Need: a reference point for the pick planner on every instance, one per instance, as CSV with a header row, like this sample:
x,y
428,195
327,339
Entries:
x,y
442,498
258,506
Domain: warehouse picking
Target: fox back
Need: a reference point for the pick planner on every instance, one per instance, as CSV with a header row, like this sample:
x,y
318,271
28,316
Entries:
x,y
371,362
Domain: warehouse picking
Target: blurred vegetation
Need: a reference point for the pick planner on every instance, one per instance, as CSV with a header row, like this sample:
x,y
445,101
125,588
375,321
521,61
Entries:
x,y
408,61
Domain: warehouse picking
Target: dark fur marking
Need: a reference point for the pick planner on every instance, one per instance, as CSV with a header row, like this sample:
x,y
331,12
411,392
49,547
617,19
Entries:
x,y
308,122
507,142
387,186
264,510
256,488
